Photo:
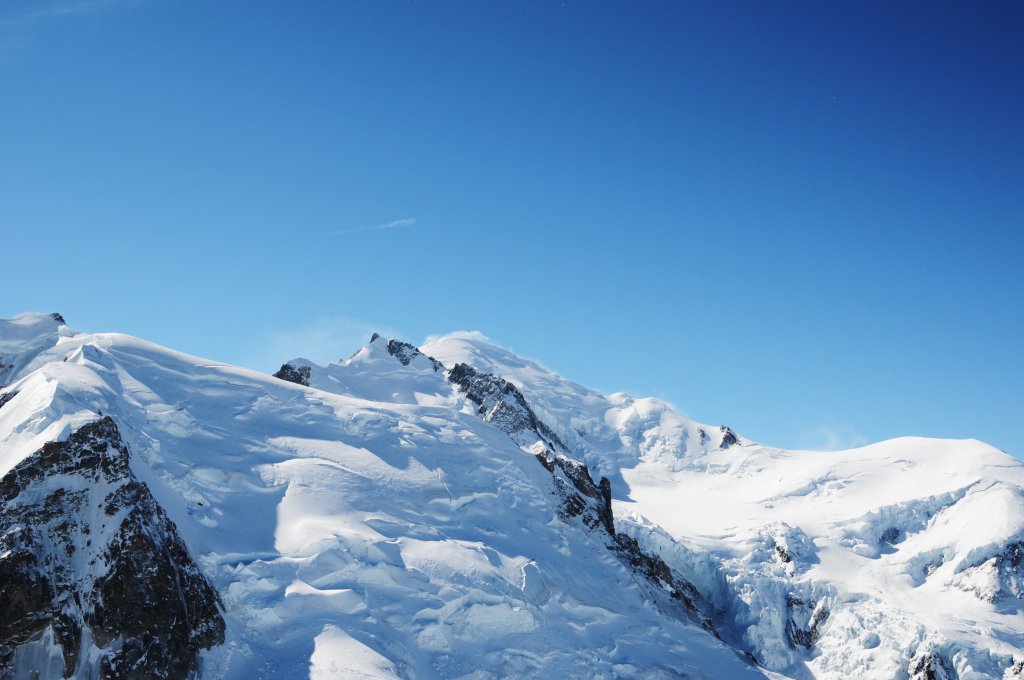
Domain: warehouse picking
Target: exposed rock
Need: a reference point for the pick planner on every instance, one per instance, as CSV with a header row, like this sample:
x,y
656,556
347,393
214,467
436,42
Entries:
x,y
87,554
605,486
6,397
998,578
1010,562
930,664
501,403
581,498
803,621
890,536
405,353
728,437
573,504
655,570
781,545
298,375
58,318
600,495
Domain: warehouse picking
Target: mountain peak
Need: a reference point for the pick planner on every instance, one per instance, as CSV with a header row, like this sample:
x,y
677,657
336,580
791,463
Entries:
x,y
34,319
457,518
24,337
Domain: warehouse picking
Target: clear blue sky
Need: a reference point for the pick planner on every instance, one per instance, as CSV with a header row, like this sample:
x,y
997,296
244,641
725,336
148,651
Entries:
x,y
801,219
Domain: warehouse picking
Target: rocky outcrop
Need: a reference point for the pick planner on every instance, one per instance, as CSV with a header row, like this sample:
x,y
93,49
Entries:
x,y
93,574
58,318
1011,566
405,353
294,374
803,621
592,504
728,437
6,397
657,572
997,579
890,536
930,664
500,403
595,503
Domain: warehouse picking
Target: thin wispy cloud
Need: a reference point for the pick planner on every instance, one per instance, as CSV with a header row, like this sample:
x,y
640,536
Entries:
x,y
20,27
833,435
395,224
57,10
322,340
468,335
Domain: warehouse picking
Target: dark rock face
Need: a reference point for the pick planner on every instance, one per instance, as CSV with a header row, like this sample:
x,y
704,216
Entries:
x,y
728,437
930,664
6,397
804,621
890,536
298,375
1007,568
1010,565
579,501
405,353
90,558
595,503
654,569
502,404
605,487
592,504
58,318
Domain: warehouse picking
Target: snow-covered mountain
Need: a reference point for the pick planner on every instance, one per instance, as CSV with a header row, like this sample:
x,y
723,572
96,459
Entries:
x,y
457,511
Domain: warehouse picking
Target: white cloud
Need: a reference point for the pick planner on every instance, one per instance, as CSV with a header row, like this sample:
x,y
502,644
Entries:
x,y
469,335
19,27
394,224
833,435
67,8
322,340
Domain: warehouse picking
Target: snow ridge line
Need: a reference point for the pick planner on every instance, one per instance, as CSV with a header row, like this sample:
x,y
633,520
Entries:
x,y
502,404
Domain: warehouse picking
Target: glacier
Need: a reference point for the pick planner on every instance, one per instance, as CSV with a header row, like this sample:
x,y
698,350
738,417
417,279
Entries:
x,y
454,510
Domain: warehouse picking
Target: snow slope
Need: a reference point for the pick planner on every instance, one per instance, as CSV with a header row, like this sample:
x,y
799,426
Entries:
x,y
380,529
907,554
408,513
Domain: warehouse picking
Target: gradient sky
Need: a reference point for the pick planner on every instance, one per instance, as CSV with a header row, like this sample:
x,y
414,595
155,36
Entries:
x,y
801,219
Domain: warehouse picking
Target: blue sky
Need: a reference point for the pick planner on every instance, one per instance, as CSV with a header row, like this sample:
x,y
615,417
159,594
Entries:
x,y
800,219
